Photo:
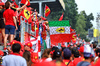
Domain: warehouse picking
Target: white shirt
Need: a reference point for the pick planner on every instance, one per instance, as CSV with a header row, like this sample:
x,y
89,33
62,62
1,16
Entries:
x,y
14,60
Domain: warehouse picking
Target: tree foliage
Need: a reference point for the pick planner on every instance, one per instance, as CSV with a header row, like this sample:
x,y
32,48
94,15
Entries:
x,y
70,12
80,25
88,20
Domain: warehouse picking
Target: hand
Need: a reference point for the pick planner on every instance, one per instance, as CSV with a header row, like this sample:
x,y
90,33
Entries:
x,y
16,28
9,50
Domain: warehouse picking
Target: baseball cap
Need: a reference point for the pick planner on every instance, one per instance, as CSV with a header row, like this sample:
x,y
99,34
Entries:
x,y
88,51
29,44
14,41
2,3
67,52
75,52
57,53
81,49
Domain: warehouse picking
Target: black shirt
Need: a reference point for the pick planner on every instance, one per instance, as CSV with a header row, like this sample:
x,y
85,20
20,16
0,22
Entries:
x,y
1,14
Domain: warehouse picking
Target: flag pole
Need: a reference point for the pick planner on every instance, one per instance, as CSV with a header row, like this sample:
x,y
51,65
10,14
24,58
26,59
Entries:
x,y
44,10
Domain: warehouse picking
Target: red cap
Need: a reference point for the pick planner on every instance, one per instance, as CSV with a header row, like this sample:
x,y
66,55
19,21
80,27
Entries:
x,y
2,3
14,41
29,44
1,53
81,49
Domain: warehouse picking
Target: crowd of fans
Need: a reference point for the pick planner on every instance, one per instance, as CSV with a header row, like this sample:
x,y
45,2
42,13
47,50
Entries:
x,y
78,54
71,55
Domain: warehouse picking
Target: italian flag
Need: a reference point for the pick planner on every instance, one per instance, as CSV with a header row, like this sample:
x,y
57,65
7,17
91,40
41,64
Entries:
x,y
59,31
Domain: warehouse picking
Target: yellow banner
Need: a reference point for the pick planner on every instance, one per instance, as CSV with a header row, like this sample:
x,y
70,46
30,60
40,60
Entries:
x,y
95,33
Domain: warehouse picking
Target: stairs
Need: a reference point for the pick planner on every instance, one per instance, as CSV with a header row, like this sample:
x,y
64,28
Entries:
x,y
1,48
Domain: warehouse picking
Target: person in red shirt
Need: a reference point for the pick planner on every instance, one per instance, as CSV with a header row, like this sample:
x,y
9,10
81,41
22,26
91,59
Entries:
x,y
77,59
28,47
10,23
67,54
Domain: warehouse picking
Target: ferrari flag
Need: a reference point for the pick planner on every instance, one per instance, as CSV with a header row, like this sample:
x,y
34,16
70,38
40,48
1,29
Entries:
x,y
59,31
24,1
47,11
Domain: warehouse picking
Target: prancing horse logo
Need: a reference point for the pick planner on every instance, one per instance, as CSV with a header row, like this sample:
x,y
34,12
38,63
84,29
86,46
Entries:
x,y
60,30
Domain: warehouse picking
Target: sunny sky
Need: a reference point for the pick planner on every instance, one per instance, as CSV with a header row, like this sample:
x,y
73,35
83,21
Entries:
x,y
90,6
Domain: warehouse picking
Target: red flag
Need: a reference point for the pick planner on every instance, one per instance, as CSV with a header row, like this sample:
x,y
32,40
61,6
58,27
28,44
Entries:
x,y
60,19
24,1
47,11
73,35
16,6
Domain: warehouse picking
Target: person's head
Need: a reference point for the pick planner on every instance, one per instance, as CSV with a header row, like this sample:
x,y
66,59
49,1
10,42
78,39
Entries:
x,y
98,52
88,53
46,53
75,52
81,50
2,5
28,46
57,55
7,5
67,53
16,47
27,56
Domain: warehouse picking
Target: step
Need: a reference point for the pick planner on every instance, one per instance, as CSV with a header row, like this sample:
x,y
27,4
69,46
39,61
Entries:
x,y
2,48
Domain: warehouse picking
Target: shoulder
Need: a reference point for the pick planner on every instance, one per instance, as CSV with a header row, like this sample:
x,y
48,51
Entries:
x,y
21,58
83,63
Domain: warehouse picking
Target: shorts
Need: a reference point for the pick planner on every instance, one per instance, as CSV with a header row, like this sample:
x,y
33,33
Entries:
x,y
2,25
9,29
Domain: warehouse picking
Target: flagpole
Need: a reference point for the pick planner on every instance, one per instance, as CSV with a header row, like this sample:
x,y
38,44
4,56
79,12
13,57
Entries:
x,y
44,10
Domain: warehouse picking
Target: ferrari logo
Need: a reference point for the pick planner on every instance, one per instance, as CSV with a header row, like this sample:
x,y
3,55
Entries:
x,y
47,10
66,63
60,30
26,14
28,43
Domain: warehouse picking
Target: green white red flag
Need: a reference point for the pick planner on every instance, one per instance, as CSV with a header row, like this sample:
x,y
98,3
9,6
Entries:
x,y
59,31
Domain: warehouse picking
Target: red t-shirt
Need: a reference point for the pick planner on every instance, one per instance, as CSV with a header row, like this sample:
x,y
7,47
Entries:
x,y
77,60
97,63
8,15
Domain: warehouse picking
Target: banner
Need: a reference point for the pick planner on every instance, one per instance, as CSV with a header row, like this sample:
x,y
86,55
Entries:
x,y
59,31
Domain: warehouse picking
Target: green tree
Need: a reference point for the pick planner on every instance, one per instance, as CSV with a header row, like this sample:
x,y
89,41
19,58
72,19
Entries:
x,y
80,25
70,12
88,20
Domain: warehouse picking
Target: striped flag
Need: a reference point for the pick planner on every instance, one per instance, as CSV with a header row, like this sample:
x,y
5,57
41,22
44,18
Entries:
x,y
59,31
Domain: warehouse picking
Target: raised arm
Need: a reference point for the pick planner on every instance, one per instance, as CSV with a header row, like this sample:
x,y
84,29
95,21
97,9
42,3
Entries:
x,y
22,6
